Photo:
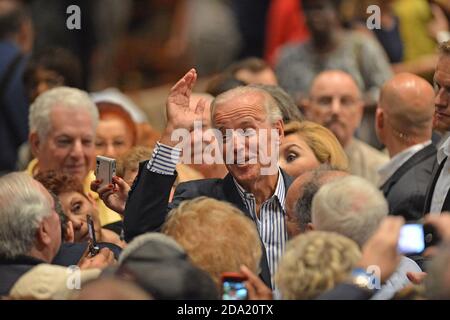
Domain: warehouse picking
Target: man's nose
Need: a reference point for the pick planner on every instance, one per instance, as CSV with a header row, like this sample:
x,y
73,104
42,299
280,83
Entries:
x,y
442,98
77,149
336,106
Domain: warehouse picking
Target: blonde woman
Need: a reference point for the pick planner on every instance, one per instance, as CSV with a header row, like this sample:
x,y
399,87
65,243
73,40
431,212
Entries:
x,y
307,145
315,262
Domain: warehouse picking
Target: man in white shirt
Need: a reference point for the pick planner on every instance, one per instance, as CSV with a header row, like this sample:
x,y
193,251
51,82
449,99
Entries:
x,y
438,198
404,120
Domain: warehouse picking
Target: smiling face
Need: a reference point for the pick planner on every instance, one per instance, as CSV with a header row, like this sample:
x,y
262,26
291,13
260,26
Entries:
x,y
242,120
296,157
442,91
69,145
76,207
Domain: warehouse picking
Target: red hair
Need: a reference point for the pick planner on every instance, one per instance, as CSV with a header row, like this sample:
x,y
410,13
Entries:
x,y
110,110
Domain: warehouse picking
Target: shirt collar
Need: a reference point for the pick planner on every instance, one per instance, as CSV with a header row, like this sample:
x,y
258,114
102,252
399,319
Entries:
x,y
279,194
444,151
388,169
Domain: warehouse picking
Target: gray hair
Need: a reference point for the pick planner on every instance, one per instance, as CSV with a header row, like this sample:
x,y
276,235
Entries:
x,y
351,206
145,238
288,108
71,98
23,207
270,105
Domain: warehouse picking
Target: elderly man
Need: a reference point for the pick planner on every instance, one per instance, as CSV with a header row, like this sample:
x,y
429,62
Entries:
x,y
243,115
438,195
353,207
404,121
30,230
300,196
335,102
62,132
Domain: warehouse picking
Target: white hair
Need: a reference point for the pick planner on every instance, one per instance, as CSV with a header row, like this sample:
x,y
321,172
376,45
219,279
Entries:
x,y
145,238
23,207
70,98
351,206
273,111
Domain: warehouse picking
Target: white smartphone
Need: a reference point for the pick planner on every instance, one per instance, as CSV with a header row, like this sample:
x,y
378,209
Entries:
x,y
105,170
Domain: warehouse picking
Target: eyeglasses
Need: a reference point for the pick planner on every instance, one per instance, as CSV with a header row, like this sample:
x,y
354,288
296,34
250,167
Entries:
x,y
326,102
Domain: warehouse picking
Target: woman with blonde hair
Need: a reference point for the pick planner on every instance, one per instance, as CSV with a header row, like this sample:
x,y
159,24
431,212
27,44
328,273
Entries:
x,y
315,262
307,145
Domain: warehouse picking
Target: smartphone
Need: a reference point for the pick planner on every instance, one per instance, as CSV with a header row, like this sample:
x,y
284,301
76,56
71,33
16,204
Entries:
x,y
233,286
93,247
105,170
415,238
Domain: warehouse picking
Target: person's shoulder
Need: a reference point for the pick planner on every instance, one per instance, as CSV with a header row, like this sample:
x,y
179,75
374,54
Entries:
x,y
201,184
290,51
371,153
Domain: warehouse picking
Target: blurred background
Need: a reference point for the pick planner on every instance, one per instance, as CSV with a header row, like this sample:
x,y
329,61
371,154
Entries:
x,y
141,47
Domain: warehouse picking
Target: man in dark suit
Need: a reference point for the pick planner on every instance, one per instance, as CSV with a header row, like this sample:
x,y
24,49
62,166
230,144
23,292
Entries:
x,y
404,120
438,196
250,126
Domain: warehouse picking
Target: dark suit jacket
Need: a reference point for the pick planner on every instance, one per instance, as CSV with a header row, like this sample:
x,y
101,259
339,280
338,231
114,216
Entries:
x,y
12,269
405,190
430,190
147,205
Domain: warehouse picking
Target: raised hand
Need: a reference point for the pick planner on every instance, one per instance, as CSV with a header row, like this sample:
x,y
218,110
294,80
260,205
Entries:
x,y
179,113
113,195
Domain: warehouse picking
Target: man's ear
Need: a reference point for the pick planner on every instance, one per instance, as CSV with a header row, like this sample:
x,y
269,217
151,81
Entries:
x,y
310,227
379,118
279,126
35,143
43,233
305,107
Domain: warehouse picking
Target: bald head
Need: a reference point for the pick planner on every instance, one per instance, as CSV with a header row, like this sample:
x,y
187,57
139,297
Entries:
x,y
300,195
326,79
407,104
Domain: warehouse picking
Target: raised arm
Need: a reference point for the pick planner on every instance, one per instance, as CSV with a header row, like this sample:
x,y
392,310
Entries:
x,y
147,204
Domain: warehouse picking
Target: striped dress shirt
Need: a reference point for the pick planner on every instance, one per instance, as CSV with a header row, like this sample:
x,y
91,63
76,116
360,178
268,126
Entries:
x,y
270,223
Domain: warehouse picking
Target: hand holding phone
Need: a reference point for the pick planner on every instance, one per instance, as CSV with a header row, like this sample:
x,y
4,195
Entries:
x,y
415,238
233,286
105,170
93,247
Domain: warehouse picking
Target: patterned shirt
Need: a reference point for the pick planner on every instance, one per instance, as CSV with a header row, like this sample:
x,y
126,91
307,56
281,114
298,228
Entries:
x,y
270,223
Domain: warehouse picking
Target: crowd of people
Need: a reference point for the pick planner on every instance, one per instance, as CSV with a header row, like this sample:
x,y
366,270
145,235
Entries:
x,y
270,174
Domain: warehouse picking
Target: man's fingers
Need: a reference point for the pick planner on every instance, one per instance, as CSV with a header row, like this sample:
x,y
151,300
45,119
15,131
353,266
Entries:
x,y
184,83
251,290
200,106
416,277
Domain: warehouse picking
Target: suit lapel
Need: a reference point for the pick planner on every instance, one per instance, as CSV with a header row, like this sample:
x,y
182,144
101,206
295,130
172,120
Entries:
x,y
417,158
430,190
232,195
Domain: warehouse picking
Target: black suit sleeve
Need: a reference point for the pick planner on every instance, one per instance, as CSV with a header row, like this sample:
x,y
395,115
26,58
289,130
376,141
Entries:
x,y
346,291
146,208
